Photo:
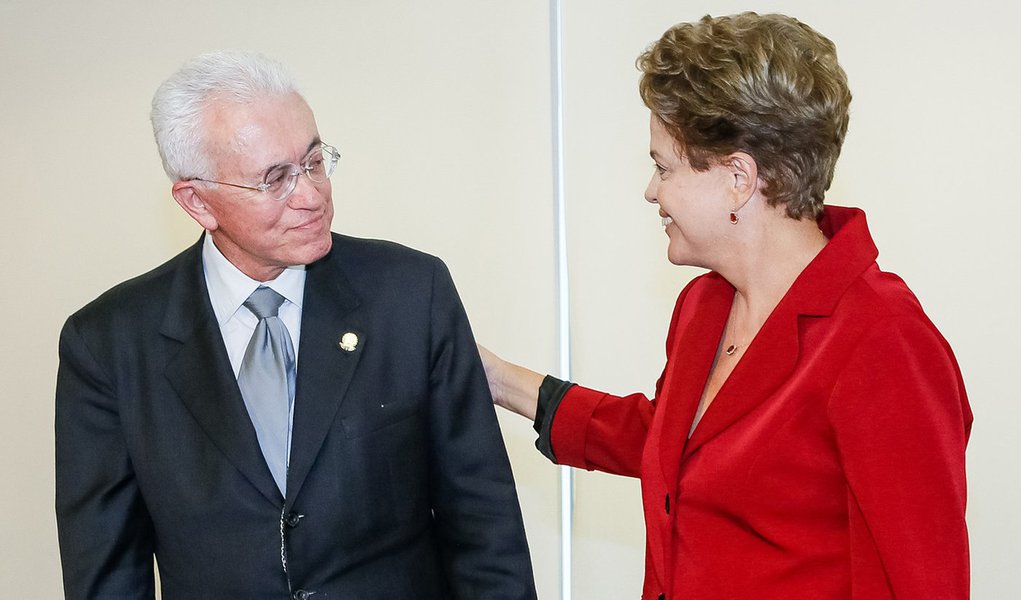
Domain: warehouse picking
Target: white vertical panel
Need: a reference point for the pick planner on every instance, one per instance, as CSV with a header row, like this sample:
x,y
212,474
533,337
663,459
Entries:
x,y
563,286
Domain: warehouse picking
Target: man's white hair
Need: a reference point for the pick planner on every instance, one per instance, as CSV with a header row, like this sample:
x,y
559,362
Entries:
x,y
179,104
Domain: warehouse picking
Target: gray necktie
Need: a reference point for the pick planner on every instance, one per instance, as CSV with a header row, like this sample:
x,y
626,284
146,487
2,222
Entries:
x,y
266,380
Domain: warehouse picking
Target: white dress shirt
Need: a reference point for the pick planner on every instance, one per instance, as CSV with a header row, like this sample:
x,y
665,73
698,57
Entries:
x,y
229,288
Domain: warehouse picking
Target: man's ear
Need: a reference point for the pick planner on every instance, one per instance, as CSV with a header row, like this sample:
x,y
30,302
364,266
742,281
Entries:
x,y
188,196
745,171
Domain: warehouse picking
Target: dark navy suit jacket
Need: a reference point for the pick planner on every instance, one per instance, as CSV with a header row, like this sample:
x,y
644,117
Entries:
x,y
399,483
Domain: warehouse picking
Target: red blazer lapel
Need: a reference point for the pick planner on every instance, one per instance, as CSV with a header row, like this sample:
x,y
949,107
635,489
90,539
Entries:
x,y
774,353
766,364
702,318
698,313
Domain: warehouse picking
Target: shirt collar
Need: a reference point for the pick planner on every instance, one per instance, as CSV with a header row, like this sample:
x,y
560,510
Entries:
x,y
229,287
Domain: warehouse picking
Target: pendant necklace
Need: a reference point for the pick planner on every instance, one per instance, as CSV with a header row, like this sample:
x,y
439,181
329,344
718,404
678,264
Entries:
x,y
732,348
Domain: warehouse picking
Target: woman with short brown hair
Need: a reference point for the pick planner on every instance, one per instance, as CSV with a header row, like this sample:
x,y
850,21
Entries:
x,y
807,435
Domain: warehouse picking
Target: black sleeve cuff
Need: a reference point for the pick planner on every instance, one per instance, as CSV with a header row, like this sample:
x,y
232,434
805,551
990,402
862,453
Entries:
x,y
551,392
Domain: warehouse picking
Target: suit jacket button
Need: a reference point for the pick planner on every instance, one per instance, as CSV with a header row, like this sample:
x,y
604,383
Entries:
x,y
662,597
301,595
292,519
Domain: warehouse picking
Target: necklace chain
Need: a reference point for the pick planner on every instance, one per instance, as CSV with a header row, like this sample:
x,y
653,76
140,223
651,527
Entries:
x,y
731,326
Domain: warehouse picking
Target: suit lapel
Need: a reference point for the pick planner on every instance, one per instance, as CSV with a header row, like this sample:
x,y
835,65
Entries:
x,y
766,364
324,367
690,361
201,374
773,354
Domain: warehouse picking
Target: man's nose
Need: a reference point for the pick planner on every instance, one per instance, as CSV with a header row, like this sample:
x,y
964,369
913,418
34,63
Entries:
x,y
308,194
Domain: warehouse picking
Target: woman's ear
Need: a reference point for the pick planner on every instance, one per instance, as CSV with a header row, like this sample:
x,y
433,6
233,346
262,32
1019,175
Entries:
x,y
189,196
745,172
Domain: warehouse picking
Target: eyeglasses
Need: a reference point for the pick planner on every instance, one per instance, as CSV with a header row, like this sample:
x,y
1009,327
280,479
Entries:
x,y
280,180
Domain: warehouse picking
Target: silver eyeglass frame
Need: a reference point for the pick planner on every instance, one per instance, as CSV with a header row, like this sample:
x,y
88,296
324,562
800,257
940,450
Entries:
x,y
331,156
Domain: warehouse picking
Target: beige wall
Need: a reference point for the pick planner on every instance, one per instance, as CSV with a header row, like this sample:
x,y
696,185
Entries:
x,y
442,113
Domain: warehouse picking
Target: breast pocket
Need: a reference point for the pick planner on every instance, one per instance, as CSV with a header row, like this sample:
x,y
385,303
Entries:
x,y
377,416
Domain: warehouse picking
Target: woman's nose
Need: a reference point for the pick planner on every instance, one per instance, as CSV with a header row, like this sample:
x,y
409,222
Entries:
x,y
650,190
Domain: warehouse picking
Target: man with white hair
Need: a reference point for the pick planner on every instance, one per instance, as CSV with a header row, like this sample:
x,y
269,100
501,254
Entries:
x,y
279,411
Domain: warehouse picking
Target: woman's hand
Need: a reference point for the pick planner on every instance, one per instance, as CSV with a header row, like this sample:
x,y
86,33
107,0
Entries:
x,y
513,387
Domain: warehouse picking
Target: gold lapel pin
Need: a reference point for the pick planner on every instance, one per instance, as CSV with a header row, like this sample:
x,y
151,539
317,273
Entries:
x,y
348,342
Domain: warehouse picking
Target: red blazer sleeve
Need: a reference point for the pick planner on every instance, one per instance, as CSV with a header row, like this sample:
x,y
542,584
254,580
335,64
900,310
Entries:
x,y
901,422
597,431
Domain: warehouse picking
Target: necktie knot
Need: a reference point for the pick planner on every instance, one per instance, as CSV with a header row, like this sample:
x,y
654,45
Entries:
x,y
264,303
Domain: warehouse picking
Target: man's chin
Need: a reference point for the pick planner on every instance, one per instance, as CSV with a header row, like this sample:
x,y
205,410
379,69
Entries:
x,y
318,250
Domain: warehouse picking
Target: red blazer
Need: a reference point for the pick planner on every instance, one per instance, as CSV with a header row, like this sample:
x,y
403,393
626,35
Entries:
x,y
829,465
